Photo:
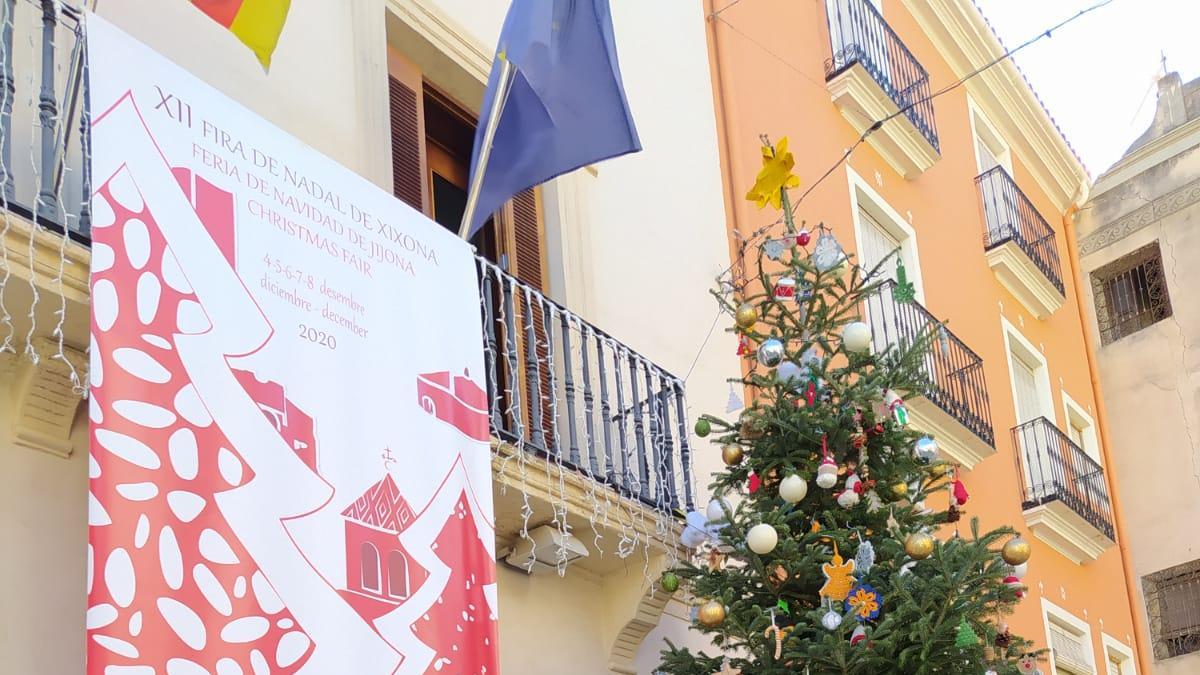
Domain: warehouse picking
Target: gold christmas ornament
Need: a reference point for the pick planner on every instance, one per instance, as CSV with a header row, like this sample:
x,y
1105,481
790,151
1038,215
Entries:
x,y
919,545
746,316
900,489
732,454
1016,551
712,614
938,470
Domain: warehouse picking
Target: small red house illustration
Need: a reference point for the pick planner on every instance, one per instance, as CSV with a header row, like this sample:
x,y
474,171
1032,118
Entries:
x,y
295,426
380,574
456,400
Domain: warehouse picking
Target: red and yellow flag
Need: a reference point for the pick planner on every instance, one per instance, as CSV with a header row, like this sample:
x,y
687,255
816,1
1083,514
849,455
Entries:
x,y
257,23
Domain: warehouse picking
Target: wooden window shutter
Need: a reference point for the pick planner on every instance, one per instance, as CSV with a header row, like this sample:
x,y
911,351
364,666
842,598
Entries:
x,y
406,144
527,252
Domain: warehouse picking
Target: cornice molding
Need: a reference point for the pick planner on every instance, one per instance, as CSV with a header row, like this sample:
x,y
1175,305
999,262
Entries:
x,y
446,35
1173,202
963,37
1153,153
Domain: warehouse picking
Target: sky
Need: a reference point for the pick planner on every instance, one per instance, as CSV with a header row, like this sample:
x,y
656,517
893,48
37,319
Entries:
x,y
1096,75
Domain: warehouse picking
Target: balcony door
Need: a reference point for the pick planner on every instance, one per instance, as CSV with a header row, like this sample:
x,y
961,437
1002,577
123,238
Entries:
x,y
1035,441
876,244
852,36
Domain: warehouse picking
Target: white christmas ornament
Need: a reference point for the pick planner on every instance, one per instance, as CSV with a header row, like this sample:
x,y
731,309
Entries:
x,y
849,497
762,538
793,488
1019,571
856,337
716,511
831,620
790,374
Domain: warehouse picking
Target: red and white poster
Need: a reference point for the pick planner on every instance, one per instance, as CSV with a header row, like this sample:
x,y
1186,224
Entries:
x,y
289,468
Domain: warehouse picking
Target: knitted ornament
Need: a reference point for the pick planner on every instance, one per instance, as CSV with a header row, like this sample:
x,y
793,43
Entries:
x,y
838,577
864,559
858,635
1015,583
864,602
960,493
850,497
753,482
965,637
827,472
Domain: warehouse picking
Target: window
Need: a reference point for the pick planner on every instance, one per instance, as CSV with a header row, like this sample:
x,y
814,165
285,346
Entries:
x,y
990,149
1070,640
432,139
1173,605
369,566
1118,657
1130,294
397,575
880,230
1080,428
1032,400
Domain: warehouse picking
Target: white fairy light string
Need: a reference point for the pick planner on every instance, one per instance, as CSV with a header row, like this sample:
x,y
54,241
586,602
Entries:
x,y
6,102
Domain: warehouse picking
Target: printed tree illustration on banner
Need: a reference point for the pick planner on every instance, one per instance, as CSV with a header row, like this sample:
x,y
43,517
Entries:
x,y
824,550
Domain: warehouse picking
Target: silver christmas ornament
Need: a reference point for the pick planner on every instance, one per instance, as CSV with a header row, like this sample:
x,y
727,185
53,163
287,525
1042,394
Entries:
x,y
925,449
770,352
831,620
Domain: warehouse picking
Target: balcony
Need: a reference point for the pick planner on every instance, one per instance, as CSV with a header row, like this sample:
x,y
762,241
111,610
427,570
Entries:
x,y
954,405
575,397
872,75
43,175
1020,244
1064,494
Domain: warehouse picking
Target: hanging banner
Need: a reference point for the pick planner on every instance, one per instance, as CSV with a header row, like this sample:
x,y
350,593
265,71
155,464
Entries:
x,y
290,469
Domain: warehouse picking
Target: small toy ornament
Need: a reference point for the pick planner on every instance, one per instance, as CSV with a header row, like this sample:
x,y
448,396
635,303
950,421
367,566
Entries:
x,y
793,488
864,558
753,483
827,253
858,635
770,352
827,473
785,289
744,348
965,637
732,454
669,582
850,496
925,449
1003,638
762,538
712,614
919,545
1016,551
856,337
1027,664
779,574
864,602
778,638
703,427
1015,583
746,316
953,514
895,406
831,620
960,493
839,577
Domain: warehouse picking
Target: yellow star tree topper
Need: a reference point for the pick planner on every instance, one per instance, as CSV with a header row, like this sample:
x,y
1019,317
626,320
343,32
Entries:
x,y
775,176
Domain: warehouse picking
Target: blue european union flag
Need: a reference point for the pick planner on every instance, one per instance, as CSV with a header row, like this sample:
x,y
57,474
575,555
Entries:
x,y
565,107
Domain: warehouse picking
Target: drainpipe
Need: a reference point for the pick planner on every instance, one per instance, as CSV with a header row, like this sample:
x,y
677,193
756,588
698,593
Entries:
x,y
723,132
1141,640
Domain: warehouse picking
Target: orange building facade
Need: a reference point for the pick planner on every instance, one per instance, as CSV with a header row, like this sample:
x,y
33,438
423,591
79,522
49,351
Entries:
x,y
976,187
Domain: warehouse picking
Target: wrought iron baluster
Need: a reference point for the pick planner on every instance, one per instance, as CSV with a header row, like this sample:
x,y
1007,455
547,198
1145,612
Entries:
x,y
569,386
626,476
605,409
685,450
48,112
551,415
655,439
589,422
639,431
512,380
489,354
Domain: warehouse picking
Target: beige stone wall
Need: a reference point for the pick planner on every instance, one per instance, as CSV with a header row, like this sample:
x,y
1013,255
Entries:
x,y
1151,379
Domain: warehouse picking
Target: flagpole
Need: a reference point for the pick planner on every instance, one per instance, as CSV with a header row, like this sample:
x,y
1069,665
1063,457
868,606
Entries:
x,y
485,148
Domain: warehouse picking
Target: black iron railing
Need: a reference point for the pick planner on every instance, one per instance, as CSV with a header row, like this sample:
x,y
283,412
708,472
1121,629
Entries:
x,y
43,115
954,373
1008,215
570,392
1053,468
859,35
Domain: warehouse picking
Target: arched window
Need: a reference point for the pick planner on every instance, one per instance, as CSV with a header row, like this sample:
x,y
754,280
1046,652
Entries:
x,y
369,564
397,575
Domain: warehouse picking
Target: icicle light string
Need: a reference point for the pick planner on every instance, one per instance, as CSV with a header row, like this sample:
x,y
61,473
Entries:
x,y
61,129
6,102
35,227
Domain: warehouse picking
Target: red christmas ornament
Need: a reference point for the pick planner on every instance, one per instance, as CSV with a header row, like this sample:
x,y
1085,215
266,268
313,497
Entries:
x,y
753,483
803,238
960,493
1013,582
743,346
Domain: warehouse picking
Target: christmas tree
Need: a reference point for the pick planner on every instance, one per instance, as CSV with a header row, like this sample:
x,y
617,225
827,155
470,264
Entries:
x,y
825,548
